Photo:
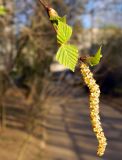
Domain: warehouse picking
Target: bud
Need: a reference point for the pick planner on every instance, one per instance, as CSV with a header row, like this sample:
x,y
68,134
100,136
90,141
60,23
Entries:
x,y
52,12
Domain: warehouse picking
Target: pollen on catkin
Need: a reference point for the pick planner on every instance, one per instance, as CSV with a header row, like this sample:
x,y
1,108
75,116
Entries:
x,y
94,107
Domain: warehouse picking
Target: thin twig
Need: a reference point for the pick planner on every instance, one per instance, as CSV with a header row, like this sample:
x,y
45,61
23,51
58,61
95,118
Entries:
x,y
43,4
47,8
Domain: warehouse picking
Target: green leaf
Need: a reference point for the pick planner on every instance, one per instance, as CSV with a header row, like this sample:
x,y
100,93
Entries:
x,y
62,19
94,60
64,32
2,10
68,56
55,20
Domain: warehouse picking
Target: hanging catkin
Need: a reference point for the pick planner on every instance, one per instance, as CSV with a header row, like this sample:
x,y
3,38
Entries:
x,y
94,107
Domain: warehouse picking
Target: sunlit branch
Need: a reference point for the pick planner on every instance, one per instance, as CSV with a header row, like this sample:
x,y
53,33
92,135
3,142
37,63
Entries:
x,y
43,4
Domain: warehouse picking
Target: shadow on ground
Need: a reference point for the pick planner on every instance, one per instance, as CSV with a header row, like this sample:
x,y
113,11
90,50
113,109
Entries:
x,y
66,133
70,135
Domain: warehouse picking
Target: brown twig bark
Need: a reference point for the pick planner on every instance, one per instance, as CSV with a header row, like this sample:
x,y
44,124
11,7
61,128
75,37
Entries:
x,y
43,4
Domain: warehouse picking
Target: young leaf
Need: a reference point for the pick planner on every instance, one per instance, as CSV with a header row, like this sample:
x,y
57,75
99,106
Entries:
x,y
62,19
2,10
68,56
94,60
64,32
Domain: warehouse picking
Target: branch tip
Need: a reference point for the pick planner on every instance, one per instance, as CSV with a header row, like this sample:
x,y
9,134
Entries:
x,y
43,4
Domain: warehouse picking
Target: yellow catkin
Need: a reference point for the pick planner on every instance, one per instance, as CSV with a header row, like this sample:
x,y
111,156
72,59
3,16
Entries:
x,y
94,107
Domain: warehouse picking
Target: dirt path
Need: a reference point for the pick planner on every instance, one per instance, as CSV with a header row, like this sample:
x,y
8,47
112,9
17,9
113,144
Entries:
x,y
70,137
66,130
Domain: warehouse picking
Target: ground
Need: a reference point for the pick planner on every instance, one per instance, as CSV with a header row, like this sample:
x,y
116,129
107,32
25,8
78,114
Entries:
x,y
64,132
70,136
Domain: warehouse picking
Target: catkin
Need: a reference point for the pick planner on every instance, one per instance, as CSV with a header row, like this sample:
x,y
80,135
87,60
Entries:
x,y
94,107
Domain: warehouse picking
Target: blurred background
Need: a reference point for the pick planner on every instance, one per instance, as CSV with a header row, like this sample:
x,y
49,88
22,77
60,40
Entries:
x,y
44,107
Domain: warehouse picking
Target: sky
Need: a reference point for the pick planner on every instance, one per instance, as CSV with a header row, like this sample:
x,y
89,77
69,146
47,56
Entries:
x,y
24,9
104,13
